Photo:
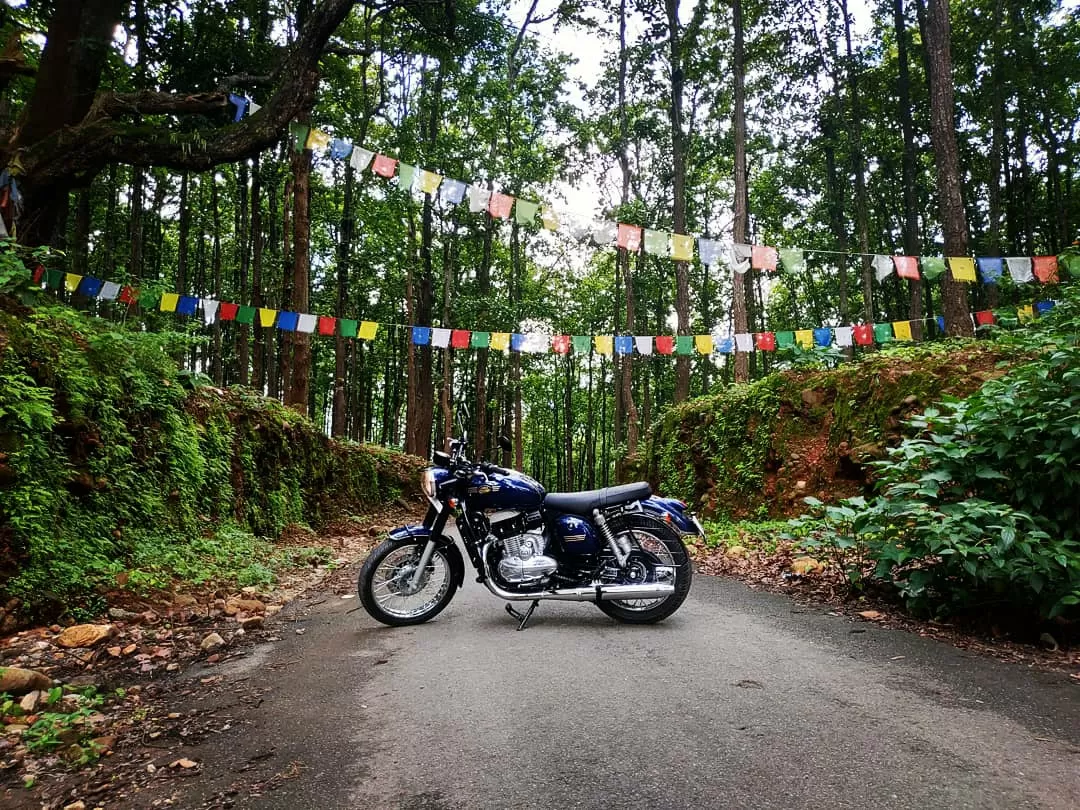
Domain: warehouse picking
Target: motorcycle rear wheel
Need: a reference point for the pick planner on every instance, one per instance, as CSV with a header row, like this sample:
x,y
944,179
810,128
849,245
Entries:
x,y
653,543
385,583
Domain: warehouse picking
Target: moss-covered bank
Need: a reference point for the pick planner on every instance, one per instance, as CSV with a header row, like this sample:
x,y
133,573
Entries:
x,y
755,450
109,456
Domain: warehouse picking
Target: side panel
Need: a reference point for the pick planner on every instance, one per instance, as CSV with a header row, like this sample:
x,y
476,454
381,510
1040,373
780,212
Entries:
x,y
575,534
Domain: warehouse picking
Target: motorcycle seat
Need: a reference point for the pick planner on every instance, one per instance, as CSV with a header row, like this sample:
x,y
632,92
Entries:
x,y
583,503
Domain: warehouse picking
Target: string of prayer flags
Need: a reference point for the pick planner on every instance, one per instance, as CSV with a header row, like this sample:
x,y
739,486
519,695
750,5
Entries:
x,y
525,211
360,158
629,237
962,268
764,258
384,166
71,281
665,344
793,259
148,299
656,243
933,267
703,344
823,336
726,345
883,267
766,341
1071,263
901,330
682,247
517,342
990,268
805,338
906,267
1020,269
500,205
744,342
1046,269
440,338
1042,307
500,341
453,191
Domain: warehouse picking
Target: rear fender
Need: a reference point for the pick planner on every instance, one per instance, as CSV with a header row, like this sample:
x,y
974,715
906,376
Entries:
x,y
418,533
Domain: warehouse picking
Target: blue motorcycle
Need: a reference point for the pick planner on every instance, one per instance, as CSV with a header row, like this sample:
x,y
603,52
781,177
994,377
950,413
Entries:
x,y
618,547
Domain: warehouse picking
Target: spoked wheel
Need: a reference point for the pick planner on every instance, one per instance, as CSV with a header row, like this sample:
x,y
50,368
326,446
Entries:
x,y
654,546
389,592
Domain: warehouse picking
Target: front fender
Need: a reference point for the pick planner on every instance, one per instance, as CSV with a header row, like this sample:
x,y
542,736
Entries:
x,y
418,533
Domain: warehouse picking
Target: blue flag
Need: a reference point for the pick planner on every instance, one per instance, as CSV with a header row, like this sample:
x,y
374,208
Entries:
x,y
287,321
421,335
990,268
339,149
187,305
624,344
516,342
241,105
1042,307
823,336
90,287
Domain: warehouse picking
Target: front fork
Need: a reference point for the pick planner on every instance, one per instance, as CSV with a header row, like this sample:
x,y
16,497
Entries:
x,y
436,521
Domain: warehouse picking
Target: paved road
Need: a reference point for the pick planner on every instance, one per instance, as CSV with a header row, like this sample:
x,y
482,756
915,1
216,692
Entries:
x,y
740,700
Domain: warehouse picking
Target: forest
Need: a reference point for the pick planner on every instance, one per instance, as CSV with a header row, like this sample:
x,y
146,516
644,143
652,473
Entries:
x,y
313,157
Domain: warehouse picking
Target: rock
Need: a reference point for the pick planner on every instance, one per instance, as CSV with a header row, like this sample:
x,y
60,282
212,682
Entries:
x,y
251,623
812,398
910,400
1048,642
250,590
870,614
15,728
184,600
73,753
800,485
19,681
272,610
736,551
85,635
79,805
31,700
184,763
81,681
104,743
212,642
234,606
122,615
805,565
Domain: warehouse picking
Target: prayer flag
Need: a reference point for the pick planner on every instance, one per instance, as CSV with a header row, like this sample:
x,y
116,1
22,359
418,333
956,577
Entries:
x,y
227,311
317,139
326,325
684,344
603,232
883,267
299,134
629,237
1042,307
453,191
744,342
793,259
305,322
347,327
286,321
525,212
339,149
109,291
805,338
582,344
480,340
500,205
708,250
421,335
624,344
703,344
940,321
71,281
990,268
429,181
517,342
984,317
560,344
579,229
665,344
682,247
1020,269
360,158
932,267
459,338
864,334
148,299
549,218
883,332
384,166
1046,269
1071,263
244,314
843,335
740,260
726,345
209,310
785,340
763,258
168,301
440,338
906,267
187,305
240,103
823,336
1025,314
765,341
962,267
604,344
643,344
406,175
901,330
478,199
500,341
656,242
267,316
90,286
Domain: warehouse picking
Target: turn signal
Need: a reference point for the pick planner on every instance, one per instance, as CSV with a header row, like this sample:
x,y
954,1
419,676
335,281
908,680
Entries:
x,y
453,503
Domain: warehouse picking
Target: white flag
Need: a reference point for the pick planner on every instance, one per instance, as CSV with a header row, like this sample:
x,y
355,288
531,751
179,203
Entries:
x,y
209,310
478,199
1020,269
883,267
306,323
360,158
740,263
109,291
744,342
843,335
603,232
643,343
440,338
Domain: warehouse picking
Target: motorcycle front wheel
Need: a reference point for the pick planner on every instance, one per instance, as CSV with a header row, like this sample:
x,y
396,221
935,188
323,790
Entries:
x,y
653,543
386,585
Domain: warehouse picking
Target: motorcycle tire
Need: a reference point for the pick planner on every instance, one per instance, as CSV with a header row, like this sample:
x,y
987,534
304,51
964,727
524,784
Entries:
x,y
648,536
384,583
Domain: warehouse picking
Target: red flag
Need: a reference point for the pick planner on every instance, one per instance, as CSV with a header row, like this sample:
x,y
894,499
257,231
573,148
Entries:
x,y
763,258
984,318
863,334
39,271
500,204
1046,269
629,237
128,295
326,325
384,166
227,311
560,344
765,341
665,344
459,338
906,267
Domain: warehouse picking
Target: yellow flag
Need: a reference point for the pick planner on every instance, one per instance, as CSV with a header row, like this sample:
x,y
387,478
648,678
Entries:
x,y
682,247
367,330
604,343
901,330
267,317
317,139
500,341
703,343
168,302
549,218
429,181
963,268
71,282
1025,314
805,338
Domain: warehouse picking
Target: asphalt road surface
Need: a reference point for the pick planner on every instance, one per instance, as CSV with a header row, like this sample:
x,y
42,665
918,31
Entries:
x,y
740,700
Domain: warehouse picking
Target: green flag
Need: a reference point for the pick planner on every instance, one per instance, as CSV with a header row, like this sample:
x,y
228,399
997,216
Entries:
x,y
480,340
347,327
1071,263
785,340
525,211
883,332
794,261
406,174
932,267
299,133
684,344
656,242
245,315
148,299
582,344
54,278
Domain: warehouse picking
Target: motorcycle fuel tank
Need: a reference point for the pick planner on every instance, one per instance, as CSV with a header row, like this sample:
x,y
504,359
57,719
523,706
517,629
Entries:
x,y
495,491
576,535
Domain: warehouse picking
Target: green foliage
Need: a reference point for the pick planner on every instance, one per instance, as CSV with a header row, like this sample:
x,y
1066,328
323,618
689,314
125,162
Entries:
x,y
982,506
64,721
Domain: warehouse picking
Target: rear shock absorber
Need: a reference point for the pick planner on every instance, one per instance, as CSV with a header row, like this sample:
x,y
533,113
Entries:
x,y
619,546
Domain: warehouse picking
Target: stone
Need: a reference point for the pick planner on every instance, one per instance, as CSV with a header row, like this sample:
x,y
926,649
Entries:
x,y
736,551
184,600
870,614
812,398
212,642
18,681
805,565
250,590
122,615
85,635
234,606
272,610
31,700
79,805
910,400
800,485
251,623
15,728
104,743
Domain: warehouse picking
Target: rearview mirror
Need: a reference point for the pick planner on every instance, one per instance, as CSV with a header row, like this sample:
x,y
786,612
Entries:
x,y
504,443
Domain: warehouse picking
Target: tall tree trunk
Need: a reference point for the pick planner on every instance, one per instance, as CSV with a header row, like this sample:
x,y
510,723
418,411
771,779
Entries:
x,y
215,260
740,314
257,241
243,358
678,188
80,237
858,168
298,392
345,236
912,242
135,224
947,158
183,236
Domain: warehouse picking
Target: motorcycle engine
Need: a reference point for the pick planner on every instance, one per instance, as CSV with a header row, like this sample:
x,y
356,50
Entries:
x,y
521,542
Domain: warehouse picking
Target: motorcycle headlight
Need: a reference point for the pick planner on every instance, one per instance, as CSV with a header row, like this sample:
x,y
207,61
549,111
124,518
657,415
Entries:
x,y
427,484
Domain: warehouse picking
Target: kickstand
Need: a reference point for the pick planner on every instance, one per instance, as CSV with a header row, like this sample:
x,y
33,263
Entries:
x,y
523,618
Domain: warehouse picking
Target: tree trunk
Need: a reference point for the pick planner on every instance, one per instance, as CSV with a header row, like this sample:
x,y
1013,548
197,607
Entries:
x,y
243,350
135,225
858,168
912,242
946,156
740,315
337,426
678,188
257,241
298,391
217,361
